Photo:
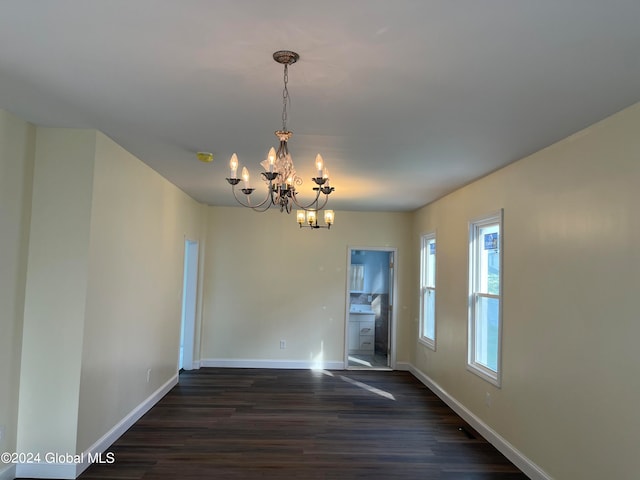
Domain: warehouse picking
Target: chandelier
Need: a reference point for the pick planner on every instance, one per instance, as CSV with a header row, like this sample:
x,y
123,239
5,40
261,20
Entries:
x,y
279,173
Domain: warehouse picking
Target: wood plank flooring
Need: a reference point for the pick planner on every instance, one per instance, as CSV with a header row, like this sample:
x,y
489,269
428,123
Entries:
x,y
300,424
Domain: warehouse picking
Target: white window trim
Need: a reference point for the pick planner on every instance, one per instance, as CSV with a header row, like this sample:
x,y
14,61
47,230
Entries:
x,y
426,341
486,373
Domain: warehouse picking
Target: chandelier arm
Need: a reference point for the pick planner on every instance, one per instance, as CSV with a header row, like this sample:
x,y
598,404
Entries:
x,y
315,227
310,206
313,205
326,199
260,210
262,207
248,204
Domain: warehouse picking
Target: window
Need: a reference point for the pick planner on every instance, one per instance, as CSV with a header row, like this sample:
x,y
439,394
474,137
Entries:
x,y
428,290
485,311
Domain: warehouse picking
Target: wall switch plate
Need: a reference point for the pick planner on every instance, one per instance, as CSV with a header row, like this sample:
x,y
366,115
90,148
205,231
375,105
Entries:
x,y
283,344
148,375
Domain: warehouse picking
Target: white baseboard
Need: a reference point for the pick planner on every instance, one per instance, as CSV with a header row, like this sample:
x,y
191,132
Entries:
x,y
195,365
83,460
9,473
258,363
127,422
533,471
65,471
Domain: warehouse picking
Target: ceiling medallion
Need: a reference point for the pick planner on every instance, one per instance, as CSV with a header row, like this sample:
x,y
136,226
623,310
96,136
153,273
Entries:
x,y
279,173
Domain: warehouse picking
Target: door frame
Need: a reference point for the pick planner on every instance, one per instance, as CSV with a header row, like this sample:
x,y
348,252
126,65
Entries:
x,y
393,286
189,305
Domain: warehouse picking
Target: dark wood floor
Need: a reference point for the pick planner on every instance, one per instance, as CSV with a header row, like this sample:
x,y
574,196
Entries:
x,y
290,424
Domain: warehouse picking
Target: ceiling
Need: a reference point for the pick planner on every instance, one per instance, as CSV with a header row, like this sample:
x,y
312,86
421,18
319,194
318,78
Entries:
x,y
405,100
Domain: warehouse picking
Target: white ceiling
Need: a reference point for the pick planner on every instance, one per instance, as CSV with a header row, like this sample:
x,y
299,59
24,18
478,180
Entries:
x,y
406,100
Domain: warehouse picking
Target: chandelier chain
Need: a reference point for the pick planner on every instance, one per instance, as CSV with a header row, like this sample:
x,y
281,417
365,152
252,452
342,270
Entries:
x,y
286,99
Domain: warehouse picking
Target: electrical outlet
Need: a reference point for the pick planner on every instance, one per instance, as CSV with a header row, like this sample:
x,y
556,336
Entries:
x,y
148,375
283,344
487,399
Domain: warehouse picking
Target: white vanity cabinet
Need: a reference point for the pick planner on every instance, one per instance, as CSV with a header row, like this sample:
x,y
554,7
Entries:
x,y
362,333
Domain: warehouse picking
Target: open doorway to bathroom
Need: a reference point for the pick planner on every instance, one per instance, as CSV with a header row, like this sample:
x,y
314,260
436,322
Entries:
x,y
370,326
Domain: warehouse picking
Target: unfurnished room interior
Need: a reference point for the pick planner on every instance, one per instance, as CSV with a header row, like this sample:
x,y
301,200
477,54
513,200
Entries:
x,y
335,240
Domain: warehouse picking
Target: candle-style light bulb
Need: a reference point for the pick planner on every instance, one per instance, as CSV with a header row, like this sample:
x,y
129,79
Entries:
x,y
245,177
300,216
319,165
233,163
325,175
272,158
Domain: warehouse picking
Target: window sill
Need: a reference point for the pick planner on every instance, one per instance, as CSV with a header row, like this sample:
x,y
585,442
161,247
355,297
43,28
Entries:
x,y
484,373
430,344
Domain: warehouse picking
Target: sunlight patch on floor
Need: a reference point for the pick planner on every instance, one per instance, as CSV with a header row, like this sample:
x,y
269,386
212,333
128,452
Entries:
x,y
317,362
359,361
369,388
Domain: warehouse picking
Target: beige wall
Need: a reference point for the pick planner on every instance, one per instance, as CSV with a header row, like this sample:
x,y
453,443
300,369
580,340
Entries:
x,y
55,290
266,280
139,223
17,141
571,373
103,289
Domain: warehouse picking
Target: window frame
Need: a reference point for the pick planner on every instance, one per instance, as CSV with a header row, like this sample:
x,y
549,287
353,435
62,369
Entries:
x,y
475,245
425,240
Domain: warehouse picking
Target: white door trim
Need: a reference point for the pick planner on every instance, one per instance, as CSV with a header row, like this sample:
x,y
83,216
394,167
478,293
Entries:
x,y
189,303
392,298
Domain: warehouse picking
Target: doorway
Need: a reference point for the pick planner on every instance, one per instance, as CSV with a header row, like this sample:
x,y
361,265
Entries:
x,y
189,296
370,317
